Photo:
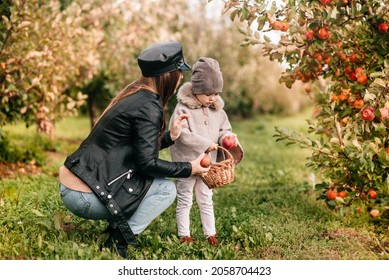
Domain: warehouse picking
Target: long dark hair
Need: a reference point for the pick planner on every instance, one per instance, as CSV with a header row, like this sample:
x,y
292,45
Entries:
x,y
165,85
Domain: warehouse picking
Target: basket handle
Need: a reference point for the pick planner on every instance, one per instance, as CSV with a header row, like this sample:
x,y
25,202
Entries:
x,y
225,152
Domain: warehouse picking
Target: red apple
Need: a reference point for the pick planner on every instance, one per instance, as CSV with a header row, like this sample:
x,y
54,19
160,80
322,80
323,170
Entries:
x,y
206,161
331,194
229,142
353,77
309,35
342,194
375,213
384,113
325,2
323,33
277,25
285,26
362,79
318,56
367,114
308,88
358,103
354,58
383,27
372,193
348,70
358,71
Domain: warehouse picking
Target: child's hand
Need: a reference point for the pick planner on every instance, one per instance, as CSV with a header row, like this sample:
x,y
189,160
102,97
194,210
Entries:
x,y
212,147
177,126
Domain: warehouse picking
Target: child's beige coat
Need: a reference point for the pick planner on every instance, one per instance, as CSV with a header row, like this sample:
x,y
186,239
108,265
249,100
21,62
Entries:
x,y
204,127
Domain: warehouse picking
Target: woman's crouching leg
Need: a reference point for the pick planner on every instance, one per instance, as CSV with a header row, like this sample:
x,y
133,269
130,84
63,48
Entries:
x,y
160,196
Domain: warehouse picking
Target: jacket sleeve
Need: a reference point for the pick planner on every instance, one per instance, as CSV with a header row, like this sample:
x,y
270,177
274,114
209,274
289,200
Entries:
x,y
193,142
166,140
146,128
226,129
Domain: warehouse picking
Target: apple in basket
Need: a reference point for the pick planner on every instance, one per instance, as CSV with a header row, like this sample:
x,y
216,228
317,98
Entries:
x,y
205,161
229,142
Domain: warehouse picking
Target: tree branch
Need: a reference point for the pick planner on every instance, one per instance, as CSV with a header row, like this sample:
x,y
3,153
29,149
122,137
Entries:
x,y
10,30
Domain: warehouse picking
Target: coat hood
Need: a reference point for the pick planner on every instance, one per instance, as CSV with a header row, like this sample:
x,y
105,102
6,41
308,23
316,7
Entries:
x,y
186,97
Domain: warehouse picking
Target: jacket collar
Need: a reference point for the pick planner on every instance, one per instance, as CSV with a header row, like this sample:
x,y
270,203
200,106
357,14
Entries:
x,y
186,97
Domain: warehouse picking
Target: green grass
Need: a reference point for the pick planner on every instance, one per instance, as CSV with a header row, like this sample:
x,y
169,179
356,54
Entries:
x,y
269,212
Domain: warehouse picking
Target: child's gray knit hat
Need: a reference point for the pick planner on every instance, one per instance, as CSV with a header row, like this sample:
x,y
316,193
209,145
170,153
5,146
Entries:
x,y
206,76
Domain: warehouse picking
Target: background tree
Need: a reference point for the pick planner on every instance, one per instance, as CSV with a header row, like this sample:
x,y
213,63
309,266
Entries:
x,y
346,42
46,51
247,90
55,55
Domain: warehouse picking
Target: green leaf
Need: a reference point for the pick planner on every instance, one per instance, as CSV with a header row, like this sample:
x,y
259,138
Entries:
x,y
7,23
267,38
45,223
376,74
290,143
233,14
37,213
58,221
379,82
261,22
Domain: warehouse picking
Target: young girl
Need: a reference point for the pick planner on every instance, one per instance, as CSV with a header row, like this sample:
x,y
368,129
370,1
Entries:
x,y
206,127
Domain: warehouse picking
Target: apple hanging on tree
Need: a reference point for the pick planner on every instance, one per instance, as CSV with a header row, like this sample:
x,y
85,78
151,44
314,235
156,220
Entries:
x,y
367,114
309,35
323,33
358,104
277,25
342,194
372,193
383,27
331,194
384,113
356,60
362,79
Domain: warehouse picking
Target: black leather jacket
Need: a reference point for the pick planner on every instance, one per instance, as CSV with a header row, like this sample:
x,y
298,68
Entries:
x,y
119,159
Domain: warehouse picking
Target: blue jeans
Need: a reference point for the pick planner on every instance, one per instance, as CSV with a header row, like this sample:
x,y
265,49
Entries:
x,y
160,196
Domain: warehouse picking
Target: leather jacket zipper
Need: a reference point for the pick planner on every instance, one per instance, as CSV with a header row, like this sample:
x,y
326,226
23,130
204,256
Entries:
x,y
128,173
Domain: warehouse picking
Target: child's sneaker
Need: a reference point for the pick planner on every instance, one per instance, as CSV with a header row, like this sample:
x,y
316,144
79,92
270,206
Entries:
x,y
212,240
187,239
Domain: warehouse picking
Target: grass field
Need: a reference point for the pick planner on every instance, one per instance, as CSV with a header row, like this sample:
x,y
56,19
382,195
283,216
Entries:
x,y
269,212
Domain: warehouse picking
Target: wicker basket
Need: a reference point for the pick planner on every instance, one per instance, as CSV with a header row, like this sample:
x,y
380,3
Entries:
x,y
220,173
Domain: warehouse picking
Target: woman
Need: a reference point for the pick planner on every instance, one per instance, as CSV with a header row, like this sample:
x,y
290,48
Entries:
x,y
116,174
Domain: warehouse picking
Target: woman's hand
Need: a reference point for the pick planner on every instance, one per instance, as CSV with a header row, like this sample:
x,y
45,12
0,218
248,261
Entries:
x,y
197,169
178,124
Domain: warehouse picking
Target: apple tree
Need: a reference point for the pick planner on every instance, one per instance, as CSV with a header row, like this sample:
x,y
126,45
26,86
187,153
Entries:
x,y
55,55
45,51
343,44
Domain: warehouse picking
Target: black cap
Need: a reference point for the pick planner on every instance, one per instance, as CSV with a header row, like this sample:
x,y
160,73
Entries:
x,y
162,58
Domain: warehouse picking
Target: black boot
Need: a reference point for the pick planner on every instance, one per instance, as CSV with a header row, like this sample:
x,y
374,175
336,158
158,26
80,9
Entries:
x,y
116,241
